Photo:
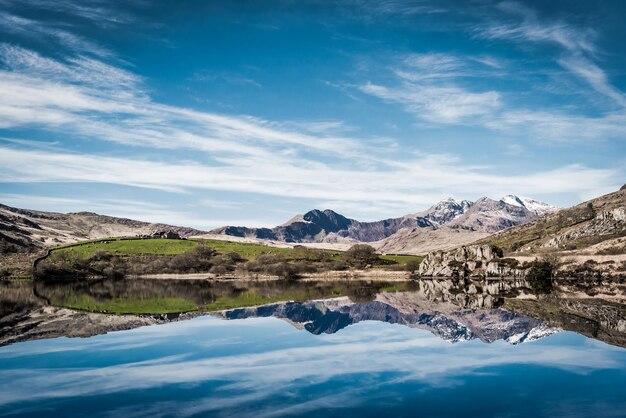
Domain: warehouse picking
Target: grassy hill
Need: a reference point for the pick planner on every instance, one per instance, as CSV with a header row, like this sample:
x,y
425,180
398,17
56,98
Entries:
x,y
128,247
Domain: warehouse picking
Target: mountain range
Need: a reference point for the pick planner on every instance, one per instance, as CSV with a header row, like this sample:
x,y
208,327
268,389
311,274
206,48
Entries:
x,y
446,224
331,315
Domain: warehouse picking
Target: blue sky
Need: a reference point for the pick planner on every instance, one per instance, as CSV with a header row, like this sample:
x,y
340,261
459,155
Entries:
x,y
245,112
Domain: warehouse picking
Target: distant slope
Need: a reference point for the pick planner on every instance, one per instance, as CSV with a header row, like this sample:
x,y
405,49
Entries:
x,y
480,220
589,223
446,224
31,229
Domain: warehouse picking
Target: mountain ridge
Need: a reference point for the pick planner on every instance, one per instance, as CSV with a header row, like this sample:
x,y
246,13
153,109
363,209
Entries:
x,y
462,215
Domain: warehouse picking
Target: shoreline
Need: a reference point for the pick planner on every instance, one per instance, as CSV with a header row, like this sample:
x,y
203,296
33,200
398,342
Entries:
x,y
335,275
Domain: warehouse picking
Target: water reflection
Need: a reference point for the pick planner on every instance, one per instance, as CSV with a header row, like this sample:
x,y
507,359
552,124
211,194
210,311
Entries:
x,y
263,367
349,349
453,309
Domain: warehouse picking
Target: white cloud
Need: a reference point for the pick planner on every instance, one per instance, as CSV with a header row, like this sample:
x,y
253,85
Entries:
x,y
594,75
413,183
531,28
447,104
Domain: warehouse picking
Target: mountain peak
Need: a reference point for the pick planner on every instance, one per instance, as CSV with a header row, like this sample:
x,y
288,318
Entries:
x,y
327,219
446,210
535,206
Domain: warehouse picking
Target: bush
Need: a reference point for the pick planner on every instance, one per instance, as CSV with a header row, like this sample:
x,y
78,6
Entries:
x,y
497,251
272,264
614,250
539,275
361,255
508,262
197,260
412,265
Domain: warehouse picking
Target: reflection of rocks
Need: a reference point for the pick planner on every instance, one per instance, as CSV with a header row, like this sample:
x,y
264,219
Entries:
x,y
49,322
474,293
403,308
594,318
456,309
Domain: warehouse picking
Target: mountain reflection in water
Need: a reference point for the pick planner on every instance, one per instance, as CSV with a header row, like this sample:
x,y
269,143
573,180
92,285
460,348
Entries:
x,y
454,310
433,348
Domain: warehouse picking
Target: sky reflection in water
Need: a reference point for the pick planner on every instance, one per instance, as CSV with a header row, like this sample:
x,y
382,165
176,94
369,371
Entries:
x,y
265,367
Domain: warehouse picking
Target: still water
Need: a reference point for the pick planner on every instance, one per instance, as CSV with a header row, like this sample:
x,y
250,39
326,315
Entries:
x,y
396,353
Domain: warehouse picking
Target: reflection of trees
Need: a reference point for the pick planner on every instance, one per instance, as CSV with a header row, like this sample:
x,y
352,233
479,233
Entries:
x,y
564,307
203,292
17,295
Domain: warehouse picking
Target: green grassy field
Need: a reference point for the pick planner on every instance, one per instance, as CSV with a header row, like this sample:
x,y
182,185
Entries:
x,y
124,247
251,298
128,306
129,247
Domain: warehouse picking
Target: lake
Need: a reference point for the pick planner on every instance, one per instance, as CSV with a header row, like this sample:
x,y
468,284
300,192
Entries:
x,y
428,348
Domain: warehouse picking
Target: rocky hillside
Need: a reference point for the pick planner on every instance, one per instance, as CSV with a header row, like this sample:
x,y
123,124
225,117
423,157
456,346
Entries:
x,y
587,240
22,229
479,220
445,211
598,224
447,223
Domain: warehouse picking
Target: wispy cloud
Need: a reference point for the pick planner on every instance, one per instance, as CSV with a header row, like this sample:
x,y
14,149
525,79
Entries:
x,y
577,44
440,104
94,11
36,30
436,176
527,26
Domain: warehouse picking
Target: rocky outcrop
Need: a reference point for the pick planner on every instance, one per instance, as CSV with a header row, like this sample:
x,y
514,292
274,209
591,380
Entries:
x,y
463,261
606,224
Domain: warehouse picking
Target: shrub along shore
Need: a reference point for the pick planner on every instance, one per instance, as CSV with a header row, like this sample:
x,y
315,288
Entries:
x,y
119,258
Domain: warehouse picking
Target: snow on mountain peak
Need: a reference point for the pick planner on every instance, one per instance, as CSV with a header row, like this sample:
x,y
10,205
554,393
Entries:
x,y
537,207
446,210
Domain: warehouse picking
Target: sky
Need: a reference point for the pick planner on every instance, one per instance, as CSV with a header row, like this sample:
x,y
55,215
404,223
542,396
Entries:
x,y
206,114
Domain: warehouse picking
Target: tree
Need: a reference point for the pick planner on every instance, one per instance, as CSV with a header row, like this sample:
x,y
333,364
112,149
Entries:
x,y
360,255
539,276
412,265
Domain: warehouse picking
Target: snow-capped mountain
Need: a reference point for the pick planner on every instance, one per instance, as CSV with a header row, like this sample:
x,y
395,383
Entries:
x,y
446,224
536,333
445,211
535,206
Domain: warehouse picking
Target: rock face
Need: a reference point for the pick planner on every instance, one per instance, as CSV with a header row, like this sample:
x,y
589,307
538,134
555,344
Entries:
x,y
471,261
492,215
